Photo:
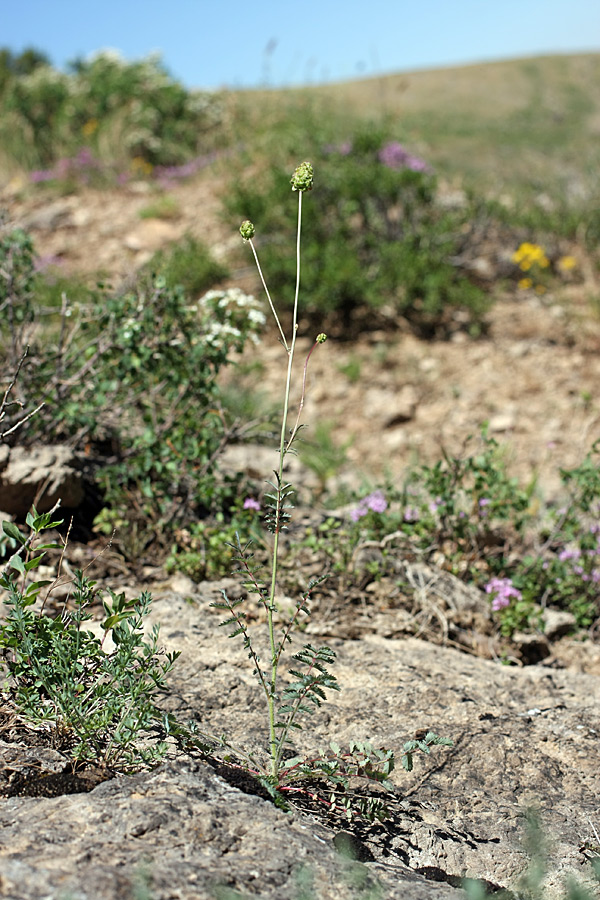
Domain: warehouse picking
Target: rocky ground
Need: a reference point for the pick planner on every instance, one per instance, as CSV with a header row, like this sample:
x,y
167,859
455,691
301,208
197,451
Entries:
x,y
524,737
534,376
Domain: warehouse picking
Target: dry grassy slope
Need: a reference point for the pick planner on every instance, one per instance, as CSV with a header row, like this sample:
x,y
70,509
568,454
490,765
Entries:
x,y
504,123
485,90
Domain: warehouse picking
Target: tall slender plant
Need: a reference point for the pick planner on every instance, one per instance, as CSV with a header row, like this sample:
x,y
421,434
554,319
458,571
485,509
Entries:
x,y
284,776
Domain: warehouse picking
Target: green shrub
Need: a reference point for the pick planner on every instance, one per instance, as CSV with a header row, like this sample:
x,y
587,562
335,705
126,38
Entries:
x,y
99,704
206,551
566,573
374,237
135,375
12,65
17,279
188,263
120,111
468,516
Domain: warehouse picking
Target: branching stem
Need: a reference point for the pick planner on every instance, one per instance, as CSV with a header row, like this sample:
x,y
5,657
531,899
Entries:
x,y
264,284
272,696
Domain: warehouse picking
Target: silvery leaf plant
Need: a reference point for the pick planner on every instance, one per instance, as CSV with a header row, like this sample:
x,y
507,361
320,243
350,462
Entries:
x,y
339,778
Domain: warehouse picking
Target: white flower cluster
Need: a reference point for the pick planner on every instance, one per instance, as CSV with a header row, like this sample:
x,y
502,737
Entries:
x,y
131,327
44,75
219,332
232,295
202,103
107,54
230,314
257,317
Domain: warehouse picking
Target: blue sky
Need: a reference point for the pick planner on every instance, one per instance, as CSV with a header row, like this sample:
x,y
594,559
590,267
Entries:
x,y
216,43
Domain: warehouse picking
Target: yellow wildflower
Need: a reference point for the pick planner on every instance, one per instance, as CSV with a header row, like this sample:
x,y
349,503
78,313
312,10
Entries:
x,y
89,128
566,263
525,283
141,165
529,255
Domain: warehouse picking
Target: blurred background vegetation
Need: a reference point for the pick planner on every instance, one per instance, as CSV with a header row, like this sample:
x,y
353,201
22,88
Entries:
x,y
420,179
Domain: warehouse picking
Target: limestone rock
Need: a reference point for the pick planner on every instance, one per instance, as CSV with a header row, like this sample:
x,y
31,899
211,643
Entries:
x,y
557,622
502,422
57,214
523,737
182,832
390,406
40,474
152,234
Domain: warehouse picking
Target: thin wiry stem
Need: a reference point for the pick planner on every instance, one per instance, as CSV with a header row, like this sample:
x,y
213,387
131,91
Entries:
x,y
264,284
294,430
275,557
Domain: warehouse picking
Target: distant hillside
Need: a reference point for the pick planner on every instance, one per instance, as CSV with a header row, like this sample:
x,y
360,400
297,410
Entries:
x,y
533,122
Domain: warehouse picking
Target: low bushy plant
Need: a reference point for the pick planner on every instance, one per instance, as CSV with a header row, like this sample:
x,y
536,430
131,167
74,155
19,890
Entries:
x,y
17,280
99,704
188,263
205,550
133,377
468,516
564,569
133,115
374,239
484,524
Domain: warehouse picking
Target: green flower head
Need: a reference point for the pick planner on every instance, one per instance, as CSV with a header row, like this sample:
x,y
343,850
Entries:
x,y
302,179
321,338
247,230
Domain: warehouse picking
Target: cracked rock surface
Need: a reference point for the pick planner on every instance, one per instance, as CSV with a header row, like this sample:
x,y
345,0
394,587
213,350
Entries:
x,y
525,738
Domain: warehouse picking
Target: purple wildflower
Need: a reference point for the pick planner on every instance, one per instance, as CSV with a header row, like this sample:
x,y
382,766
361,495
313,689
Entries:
x,y
167,174
375,502
569,553
411,514
344,149
39,175
251,503
483,503
395,156
502,590
85,159
416,164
